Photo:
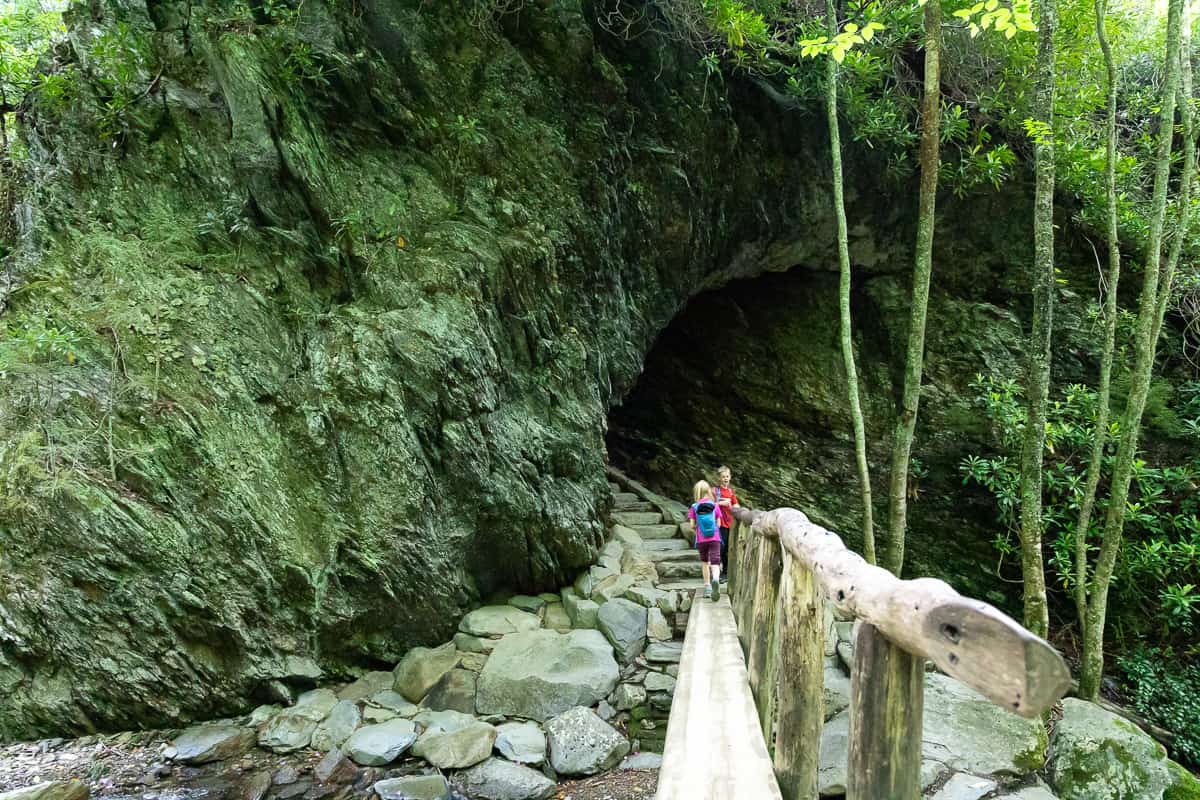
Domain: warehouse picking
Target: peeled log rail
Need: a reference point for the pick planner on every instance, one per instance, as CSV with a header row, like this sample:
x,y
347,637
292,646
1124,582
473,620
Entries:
x,y
902,623
967,639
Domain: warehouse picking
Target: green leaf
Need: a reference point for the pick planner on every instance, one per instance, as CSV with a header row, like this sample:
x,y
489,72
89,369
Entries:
x,y
839,54
850,27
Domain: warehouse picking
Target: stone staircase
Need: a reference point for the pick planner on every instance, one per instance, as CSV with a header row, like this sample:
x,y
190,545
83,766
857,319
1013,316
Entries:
x,y
662,538
651,530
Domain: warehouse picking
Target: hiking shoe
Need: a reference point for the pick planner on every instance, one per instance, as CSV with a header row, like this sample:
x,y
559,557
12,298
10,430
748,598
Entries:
x,y
716,590
708,591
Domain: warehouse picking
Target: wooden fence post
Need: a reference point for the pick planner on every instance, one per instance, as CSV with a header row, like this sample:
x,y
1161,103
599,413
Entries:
x,y
800,696
764,643
733,561
887,700
743,601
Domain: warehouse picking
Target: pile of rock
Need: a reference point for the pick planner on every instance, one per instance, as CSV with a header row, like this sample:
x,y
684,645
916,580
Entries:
x,y
530,690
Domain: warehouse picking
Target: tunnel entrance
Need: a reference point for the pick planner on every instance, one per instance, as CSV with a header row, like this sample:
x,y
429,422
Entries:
x,y
750,375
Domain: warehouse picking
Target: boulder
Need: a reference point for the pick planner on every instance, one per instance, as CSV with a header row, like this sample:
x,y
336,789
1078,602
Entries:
x,y
392,701
522,742
413,787
537,674
645,596
291,729
335,769
1184,785
968,733
611,588
831,763
319,701
962,732
642,761
497,779
583,744
836,688
474,644
1098,755
582,612
556,618
658,682
376,745
207,743
628,537
454,742
639,566
657,628
455,690
668,604
367,685
627,696
49,790
336,728
527,603
472,661
422,667
498,621
624,625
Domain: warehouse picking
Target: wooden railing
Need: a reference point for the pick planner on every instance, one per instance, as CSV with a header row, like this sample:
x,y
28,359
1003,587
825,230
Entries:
x,y
783,568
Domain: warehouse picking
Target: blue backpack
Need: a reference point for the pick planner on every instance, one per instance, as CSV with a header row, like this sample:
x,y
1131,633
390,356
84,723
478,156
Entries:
x,y
706,518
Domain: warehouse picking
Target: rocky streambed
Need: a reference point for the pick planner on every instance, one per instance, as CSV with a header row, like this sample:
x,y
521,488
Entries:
x,y
530,692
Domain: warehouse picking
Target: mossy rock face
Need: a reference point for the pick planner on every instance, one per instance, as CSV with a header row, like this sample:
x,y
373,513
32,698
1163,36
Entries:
x,y
1096,755
347,297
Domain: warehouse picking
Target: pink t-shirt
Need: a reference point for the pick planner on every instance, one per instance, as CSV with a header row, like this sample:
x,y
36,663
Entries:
x,y
700,537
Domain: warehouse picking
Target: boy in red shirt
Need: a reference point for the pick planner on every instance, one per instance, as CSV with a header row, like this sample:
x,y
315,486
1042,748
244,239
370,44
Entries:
x,y
726,502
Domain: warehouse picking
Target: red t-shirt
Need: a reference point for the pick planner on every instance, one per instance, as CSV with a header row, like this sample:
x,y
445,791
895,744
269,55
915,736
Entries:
x,y
726,514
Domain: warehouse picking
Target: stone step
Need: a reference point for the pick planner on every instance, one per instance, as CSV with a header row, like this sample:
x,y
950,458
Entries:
x,y
679,569
678,555
681,585
641,507
655,531
614,487
665,544
625,498
636,519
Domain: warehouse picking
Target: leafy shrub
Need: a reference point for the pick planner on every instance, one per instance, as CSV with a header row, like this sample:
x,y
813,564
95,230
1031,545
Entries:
x,y
1167,694
1158,567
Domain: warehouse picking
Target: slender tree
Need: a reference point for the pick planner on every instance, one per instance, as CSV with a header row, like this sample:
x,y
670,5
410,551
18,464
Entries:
x,y
839,208
1037,378
906,421
1155,286
1088,501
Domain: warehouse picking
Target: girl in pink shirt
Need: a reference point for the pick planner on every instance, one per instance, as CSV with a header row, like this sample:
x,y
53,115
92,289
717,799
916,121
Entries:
x,y
705,518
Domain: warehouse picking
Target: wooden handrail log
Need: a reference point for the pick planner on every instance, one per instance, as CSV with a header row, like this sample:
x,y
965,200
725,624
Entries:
x,y
967,639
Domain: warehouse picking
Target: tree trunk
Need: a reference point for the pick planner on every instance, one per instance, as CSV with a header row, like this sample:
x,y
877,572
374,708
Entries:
x,y
1037,378
1100,436
1145,340
906,422
839,207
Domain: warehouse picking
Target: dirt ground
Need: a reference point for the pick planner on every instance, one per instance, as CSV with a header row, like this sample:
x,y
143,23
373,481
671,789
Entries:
x,y
631,784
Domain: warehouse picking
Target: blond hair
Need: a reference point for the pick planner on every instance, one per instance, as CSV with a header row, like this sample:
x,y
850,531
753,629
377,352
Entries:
x,y
701,490
724,470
